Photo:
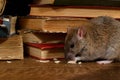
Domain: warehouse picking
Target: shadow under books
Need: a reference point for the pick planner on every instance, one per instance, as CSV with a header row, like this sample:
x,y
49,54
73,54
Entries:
x,y
3,40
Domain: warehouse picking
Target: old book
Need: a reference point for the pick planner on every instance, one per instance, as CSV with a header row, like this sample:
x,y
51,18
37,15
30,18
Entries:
x,y
74,11
50,24
8,26
11,48
45,50
40,37
80,2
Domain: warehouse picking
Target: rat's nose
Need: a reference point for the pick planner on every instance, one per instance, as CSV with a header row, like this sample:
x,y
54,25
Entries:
x,y
70,56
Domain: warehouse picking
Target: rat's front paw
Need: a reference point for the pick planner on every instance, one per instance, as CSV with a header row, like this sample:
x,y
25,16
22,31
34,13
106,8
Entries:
x,y
105,62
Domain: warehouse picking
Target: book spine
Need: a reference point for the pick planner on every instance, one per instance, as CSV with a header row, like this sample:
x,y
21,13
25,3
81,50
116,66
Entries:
x,y
7,26
6,22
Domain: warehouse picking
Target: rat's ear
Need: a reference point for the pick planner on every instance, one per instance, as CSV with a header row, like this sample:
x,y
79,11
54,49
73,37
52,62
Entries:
x,y
81,32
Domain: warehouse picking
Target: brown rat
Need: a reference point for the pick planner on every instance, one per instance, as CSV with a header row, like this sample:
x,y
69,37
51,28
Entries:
x,y
99,39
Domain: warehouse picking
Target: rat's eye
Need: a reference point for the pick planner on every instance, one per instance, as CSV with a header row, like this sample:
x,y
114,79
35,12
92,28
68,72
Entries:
x,y
72,46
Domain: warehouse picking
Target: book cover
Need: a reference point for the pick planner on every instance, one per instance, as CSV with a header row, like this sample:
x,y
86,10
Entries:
x,y
45,50
11,48
74,11
41,37
46,45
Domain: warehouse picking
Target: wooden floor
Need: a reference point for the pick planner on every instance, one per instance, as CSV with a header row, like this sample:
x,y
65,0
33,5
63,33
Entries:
x,y
30,69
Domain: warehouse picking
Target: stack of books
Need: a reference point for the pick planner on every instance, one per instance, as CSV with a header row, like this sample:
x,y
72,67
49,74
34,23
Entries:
x,y
58,15
41,45
45,51
76,8
48,21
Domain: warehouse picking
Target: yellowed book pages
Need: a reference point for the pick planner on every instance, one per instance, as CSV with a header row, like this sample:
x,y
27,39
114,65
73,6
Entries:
x,y
45,54
57,24
37,37
13,20
74,12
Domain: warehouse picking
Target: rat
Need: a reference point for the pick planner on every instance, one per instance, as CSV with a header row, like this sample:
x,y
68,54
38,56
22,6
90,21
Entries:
x,y
99,39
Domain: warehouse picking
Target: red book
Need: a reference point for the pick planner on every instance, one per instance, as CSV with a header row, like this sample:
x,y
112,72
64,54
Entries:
x,y
46,45
45,50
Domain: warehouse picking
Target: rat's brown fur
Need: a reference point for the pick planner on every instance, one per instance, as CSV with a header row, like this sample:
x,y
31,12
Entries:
x,y
101,39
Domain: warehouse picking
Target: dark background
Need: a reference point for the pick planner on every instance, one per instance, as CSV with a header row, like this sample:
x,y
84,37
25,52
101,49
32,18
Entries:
x,y
17,7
